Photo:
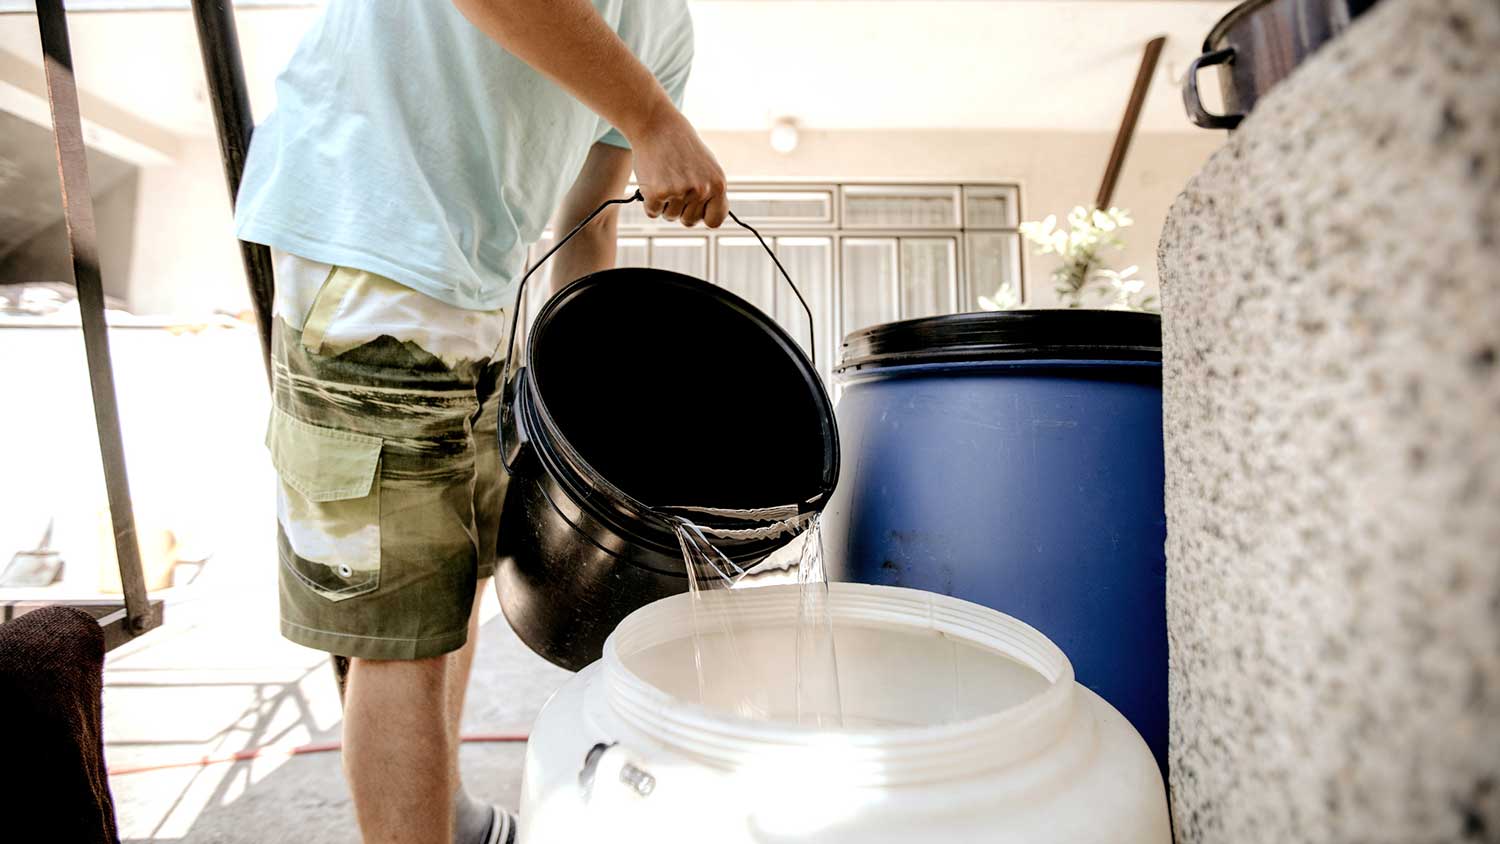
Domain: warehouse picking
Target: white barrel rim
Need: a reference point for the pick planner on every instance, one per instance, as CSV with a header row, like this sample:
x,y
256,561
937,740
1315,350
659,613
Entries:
x,y
873,756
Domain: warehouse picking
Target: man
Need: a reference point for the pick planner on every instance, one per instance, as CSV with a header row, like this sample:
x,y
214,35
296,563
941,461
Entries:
x,y
417,149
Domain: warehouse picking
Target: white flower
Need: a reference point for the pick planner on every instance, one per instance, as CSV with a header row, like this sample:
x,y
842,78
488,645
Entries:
x,y
1005,299
1079,246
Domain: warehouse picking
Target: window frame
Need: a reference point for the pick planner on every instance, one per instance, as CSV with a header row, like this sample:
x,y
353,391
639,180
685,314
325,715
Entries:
x,y
835,225
833,228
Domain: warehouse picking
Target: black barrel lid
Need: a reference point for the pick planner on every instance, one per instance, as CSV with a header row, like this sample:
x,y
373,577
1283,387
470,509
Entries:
x,y
1006,335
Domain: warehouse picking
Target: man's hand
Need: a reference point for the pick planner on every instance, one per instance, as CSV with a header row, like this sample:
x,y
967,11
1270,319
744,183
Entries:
x,y
679,177
569,42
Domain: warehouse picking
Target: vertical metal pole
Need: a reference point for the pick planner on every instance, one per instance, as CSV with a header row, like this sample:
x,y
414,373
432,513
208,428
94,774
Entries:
x,y
78,216
1127,124
219,43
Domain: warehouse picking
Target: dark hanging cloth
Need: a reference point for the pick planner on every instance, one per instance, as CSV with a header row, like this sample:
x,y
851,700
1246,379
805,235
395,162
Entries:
x,y
51,682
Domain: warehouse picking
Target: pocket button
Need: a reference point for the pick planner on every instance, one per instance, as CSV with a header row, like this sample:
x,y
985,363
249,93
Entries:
x,y
345,571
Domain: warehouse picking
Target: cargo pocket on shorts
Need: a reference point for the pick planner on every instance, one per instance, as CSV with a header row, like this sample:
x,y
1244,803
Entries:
x,y
328,505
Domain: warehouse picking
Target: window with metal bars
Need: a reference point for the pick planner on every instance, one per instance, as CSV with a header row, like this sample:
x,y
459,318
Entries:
x,y
862,254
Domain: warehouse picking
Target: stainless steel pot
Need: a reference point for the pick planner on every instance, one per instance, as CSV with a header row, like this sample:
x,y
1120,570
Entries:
x,y
1259,43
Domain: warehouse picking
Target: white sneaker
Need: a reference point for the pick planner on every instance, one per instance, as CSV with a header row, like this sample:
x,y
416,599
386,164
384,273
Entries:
x,y
502,828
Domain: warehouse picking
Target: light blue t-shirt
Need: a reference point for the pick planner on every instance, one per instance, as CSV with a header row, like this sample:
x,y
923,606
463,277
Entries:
x,y
407,143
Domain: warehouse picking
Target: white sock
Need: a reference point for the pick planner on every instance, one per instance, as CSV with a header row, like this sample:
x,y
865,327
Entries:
x,y
471,819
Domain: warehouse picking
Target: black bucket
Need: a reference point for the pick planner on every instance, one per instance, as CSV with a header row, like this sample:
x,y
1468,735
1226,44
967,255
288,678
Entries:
x,y
644,392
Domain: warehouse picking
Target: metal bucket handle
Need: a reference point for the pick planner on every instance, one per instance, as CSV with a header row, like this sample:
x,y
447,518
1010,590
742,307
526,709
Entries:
x,y
638,197
510,352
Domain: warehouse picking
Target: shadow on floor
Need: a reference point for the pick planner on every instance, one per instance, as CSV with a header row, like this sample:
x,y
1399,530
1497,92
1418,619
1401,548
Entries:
x,y
273,693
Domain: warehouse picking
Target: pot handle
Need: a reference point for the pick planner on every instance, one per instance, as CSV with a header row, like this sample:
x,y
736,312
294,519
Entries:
x,y
1196,112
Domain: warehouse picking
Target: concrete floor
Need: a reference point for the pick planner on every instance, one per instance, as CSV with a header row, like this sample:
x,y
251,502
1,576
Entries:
x,y
218,679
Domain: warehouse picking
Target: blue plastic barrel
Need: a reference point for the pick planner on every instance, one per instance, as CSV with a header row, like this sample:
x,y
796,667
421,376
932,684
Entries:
x,y
1014,459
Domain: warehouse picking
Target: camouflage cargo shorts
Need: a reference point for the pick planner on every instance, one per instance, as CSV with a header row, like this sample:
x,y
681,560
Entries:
x,y
383,435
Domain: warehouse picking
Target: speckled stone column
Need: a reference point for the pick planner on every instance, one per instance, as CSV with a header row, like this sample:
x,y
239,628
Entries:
x,y
1332,408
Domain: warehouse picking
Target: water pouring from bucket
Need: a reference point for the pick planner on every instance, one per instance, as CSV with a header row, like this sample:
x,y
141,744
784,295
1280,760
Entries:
x,y
645,400
727,679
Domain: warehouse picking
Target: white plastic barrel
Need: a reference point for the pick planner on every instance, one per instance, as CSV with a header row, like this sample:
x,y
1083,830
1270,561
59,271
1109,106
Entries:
x,y
961,725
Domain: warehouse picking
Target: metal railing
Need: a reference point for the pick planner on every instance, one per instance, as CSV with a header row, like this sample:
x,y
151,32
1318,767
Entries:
x,y
224,70
139,612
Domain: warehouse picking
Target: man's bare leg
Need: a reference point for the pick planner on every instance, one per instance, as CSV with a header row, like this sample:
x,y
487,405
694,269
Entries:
x,y
460,663
470,819
398,750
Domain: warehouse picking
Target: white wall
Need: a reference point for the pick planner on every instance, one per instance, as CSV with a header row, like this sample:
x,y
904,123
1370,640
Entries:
x,y
1056,170
895,89
185,259
166,240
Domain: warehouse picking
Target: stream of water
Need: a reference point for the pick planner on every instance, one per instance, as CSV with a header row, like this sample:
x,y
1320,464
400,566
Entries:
x,y
725,678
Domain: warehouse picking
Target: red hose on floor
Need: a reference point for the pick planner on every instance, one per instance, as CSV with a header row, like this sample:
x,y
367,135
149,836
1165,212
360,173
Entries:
x,y
300,750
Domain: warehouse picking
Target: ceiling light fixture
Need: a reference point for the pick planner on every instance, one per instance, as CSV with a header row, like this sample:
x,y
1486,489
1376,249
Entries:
x,y
784,136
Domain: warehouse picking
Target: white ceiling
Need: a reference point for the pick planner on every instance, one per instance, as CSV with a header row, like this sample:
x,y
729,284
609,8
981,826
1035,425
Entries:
x,y
830,64
1042,64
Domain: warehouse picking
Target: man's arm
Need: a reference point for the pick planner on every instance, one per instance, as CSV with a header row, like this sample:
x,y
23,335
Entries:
x,y
605,174
567,41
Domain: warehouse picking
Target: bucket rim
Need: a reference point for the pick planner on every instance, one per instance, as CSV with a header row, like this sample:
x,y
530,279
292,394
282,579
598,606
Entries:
x,y
624,512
